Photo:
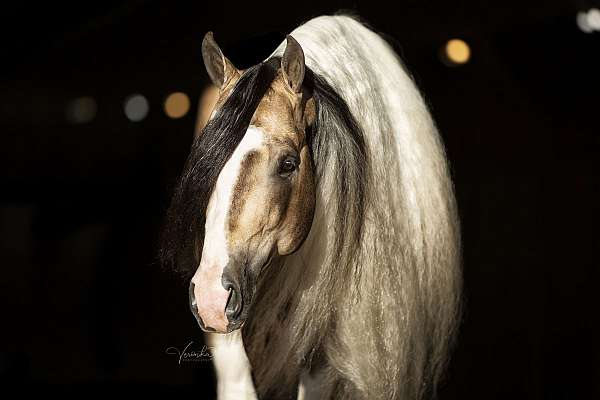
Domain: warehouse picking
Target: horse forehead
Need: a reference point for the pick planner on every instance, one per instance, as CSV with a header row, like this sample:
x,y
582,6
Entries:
x,y
275,113
252,141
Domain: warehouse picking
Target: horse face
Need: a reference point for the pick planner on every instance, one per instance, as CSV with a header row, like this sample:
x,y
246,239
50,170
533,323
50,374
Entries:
x,y
262,204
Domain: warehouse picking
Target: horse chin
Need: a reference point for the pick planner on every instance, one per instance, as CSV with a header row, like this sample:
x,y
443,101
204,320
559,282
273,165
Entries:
x,y
231,327
235,327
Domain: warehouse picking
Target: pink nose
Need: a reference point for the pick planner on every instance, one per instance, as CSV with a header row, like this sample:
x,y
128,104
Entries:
x,y
211,301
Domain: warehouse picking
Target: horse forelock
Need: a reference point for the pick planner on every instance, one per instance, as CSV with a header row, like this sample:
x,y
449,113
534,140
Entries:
x,y
183,233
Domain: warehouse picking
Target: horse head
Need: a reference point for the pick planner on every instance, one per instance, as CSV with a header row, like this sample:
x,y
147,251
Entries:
x,y
262,203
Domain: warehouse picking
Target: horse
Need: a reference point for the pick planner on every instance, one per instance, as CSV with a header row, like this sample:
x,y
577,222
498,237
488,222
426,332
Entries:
x,y
317,220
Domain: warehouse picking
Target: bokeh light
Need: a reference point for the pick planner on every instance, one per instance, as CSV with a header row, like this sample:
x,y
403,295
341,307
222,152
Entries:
x,y
593,18
456,52
81,110
208,100
177,105
136,107
582,22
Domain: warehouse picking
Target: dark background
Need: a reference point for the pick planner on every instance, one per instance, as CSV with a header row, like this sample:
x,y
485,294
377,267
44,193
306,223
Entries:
x,y
83,300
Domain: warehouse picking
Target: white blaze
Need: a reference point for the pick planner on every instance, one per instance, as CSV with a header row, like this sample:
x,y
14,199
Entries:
x,y
211,297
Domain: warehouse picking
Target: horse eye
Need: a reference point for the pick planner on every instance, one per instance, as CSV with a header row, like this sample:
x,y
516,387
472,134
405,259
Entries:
x,y
287,166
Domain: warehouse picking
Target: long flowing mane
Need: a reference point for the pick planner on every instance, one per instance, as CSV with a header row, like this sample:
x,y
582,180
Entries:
x,y
371,299
374,291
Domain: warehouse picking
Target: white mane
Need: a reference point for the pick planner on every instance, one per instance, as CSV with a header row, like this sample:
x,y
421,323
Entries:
x,y
391,327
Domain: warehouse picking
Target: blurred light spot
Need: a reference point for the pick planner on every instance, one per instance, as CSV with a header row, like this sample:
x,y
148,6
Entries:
x,y
177,105
208,99
582,22
81,110
457,52
136,107
593,18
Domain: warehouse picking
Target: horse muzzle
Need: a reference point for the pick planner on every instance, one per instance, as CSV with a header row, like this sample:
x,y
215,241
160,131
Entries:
x,y
219,305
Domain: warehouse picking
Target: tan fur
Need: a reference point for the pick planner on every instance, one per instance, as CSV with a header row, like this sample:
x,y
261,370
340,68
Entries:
x,y
264,212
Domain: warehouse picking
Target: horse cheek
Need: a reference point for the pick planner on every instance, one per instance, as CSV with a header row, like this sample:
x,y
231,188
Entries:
x,y
300,211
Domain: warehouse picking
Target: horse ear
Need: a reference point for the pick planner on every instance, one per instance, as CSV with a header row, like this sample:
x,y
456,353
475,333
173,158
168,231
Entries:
x,y
219,68
292,64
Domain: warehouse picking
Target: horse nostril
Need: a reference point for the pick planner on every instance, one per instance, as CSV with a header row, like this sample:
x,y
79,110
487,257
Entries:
x,y
192,298
234,305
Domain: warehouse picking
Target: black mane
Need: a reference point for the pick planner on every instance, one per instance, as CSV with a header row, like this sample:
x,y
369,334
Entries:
x,y
337,142
183,234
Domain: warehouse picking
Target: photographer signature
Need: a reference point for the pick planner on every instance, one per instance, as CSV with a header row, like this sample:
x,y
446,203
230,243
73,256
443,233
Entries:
x,y
190,355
